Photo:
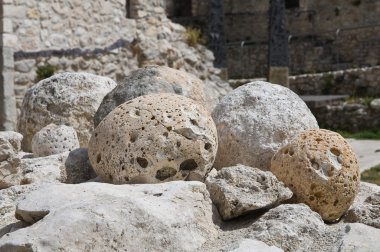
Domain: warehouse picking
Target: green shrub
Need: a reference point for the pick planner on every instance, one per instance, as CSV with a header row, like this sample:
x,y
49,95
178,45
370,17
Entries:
x,y
45,71
194,36
372,175
373,134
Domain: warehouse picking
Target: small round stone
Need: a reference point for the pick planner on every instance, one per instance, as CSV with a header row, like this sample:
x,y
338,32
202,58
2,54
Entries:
x,y
54,139
255,120
321,169
154,138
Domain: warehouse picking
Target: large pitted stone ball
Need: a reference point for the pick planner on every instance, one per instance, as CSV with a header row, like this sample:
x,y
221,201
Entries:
x,y
255,120
321,169
154,138
54,139
68,98
152,80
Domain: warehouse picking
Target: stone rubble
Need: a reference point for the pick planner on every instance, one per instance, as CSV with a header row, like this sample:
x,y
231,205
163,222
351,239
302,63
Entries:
x,y
240,189
161,137
173,216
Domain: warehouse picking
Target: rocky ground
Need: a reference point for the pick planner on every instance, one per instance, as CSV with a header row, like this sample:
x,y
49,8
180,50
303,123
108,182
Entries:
x,y
143,178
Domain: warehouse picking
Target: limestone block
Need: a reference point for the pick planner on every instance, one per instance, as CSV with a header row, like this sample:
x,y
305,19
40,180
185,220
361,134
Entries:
x,y
25,66
359,237
175,216
14,138
257,119
367,213
249,245
53,139
321,169
151,80
154,138
291,227
8,200
67,98
240,189
34,171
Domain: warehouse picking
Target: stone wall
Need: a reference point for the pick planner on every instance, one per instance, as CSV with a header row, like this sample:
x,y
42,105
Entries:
x,y
109,38
348,116
353,82
324,36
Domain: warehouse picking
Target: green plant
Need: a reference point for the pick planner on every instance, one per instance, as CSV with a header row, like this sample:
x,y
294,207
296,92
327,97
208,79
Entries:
x,y
372,175
45,71
365,134
366,100
194,36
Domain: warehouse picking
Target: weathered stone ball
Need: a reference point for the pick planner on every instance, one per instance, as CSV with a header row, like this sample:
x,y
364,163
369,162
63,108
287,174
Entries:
x,y
66,98
154,138
321,169
53,139
255,120
152,80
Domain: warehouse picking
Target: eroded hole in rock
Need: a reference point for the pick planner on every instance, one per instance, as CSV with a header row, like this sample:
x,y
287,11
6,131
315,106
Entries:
x,y
291,152
314,164
165,173
336,202
98,158
166,134
318,195
133,136
194,122
178,144
169,128
188,165
335,151
207,146
142,162
25,181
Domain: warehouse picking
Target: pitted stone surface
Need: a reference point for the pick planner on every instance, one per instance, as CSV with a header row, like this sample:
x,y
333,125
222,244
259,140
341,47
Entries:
x,y
154,138
14,138
175,216
291,227
240,189
321,169
151,80
68,98
53,139
10,143
367,212
255,120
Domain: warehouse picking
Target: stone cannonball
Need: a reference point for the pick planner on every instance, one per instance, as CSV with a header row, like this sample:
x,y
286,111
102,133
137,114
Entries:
x,y
66,98
321,169
54,139
255,120
152,80
154,138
